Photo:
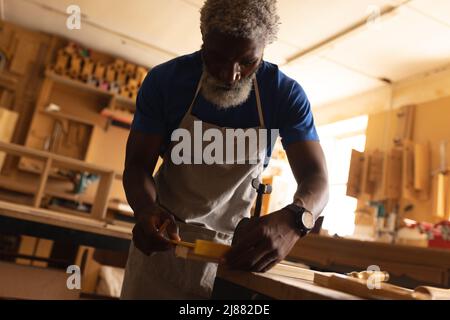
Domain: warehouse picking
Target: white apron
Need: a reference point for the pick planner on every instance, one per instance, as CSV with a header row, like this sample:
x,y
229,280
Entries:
x,y
208,201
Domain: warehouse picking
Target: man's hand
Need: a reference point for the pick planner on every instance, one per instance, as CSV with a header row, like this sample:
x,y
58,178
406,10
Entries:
x,y
263,242
148,237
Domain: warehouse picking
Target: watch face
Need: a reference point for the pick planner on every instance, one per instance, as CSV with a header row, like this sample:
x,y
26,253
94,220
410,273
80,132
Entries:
x,y
308,220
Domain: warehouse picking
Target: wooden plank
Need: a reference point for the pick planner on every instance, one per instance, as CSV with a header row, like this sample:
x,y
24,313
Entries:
x,y
65,116
376,175
394,174
27,247
8,120
279,287
75,66
102,198
88,69
65,162
328,248
62,62
100,70
354,184
110,74
416,171
41,103
119,64
361,288
75,84
285,269
422,169
130,68
405,124
373,173
25,54
90,269
122,77
42,183
365,192
382,290
106,142
50,75
58,219
43,250
441,189
420,264
408,170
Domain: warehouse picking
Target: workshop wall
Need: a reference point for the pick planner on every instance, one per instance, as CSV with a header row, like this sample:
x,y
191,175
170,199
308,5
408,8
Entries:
x,y
429,128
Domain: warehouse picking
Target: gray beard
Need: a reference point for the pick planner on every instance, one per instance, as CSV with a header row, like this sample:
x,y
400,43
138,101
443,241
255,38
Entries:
x,y
225,97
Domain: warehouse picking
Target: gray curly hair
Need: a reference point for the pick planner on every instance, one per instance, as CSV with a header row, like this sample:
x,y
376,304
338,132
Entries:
x,y
253,19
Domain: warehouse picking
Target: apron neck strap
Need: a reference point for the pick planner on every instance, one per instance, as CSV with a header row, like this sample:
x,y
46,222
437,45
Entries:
x,y
199,86
258,103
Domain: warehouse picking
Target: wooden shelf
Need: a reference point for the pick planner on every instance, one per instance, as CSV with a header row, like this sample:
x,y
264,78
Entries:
x,y
87,87
62,115
26,185
131,103
26,167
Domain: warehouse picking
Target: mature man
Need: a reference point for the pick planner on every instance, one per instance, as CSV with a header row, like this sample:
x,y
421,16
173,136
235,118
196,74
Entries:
x,y
224,85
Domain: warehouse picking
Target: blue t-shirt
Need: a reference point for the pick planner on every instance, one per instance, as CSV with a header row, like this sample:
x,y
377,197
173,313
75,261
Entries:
x,y
168,90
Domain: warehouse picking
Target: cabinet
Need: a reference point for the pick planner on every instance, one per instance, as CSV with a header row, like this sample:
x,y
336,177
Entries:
x,y
68,121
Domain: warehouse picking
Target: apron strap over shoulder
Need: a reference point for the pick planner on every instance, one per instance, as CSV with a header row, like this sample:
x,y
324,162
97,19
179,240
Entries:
x,y
199,86
258,103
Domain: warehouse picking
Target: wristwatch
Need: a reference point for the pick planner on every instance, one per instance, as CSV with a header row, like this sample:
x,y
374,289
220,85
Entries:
x,y
304,219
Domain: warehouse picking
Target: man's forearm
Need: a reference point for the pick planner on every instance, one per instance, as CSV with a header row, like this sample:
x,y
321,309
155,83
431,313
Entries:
x,y
140,190
313,193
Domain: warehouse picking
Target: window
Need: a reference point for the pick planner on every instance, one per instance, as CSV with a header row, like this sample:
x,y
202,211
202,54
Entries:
x,y
338,139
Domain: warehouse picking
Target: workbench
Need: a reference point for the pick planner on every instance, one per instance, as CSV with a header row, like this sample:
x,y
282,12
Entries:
x,y
239,285
83,237
18,219
407,266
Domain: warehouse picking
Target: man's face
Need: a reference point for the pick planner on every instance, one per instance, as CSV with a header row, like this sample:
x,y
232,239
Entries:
x,y
230,64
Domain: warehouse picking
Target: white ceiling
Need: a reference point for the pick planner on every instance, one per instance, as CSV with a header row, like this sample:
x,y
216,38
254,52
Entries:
x,y
413,39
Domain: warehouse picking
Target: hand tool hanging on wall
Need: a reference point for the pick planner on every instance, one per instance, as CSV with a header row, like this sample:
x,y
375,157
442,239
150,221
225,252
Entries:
x,y
440,177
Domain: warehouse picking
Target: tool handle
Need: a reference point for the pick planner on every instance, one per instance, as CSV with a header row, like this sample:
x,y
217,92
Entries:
x,y
183,244
163,226
258,205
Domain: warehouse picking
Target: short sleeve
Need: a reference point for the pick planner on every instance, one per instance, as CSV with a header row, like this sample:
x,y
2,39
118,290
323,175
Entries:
x,y
149,115
297,122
